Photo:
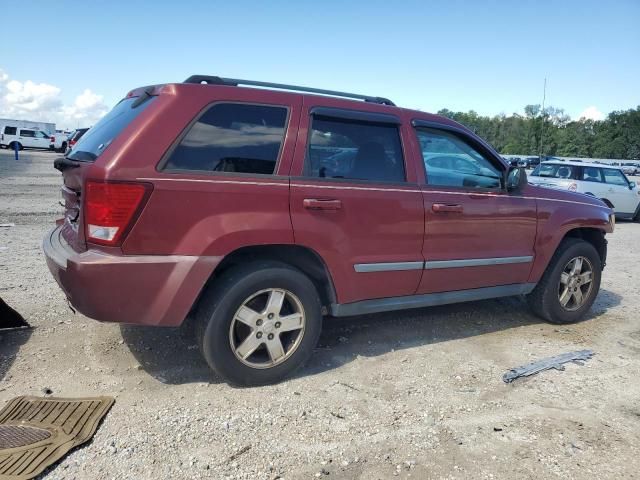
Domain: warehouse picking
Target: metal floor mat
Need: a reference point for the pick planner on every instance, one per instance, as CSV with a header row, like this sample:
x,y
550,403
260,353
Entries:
x,y
36,432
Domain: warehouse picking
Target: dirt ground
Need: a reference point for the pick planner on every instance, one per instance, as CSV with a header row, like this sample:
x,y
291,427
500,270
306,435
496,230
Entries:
x,y
416,394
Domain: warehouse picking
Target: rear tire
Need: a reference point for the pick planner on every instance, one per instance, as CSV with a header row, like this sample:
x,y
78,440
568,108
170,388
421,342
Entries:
x,y
562,282
251,292
12,145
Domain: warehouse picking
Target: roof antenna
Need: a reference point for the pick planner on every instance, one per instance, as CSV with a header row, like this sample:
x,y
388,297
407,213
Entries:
x,y
544,97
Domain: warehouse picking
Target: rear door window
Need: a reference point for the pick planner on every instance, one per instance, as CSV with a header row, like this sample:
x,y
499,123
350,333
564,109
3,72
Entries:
x,y
355,150
27,133
232,137
614,177
591,174
99,137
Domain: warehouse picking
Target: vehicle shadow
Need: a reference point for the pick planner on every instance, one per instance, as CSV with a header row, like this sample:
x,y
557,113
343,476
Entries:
x,y
343,339
10,343
172,356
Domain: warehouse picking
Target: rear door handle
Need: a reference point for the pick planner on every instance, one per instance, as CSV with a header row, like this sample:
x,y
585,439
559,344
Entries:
x,y
446,208
318,204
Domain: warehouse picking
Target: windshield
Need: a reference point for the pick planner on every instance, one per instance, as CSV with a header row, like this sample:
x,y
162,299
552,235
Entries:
x,y
100,136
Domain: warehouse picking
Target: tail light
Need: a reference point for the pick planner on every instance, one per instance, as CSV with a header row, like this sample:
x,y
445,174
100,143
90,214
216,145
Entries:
x,y
573,187
110,209
53,139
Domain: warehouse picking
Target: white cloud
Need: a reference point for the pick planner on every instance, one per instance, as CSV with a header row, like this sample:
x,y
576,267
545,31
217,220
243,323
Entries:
x,y
592,113
42,102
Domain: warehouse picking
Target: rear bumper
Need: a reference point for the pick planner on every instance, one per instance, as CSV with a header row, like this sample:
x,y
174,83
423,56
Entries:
x,y
145,290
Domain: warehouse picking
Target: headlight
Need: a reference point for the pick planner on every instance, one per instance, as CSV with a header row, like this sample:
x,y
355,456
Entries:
x,y
612,221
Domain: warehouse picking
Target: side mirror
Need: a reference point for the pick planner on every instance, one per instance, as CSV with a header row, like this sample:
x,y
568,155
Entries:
x,y
632,185
516,178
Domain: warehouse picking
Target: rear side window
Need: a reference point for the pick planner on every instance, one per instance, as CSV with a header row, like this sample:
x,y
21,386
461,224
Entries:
x,y
27,133
554,170
10,130
232,137
615,177
100,136
354,150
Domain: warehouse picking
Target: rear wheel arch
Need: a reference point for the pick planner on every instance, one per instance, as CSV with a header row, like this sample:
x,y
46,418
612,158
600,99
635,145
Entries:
x,y
301,258
608,202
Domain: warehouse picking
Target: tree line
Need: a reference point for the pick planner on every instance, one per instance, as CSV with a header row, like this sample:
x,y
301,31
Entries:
x,y
552,132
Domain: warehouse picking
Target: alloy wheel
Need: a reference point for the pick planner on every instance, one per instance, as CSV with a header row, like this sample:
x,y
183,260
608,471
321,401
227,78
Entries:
x,y
267,328
576,282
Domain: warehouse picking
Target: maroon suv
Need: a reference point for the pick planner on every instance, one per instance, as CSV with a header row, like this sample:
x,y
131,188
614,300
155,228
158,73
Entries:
x,y
257,211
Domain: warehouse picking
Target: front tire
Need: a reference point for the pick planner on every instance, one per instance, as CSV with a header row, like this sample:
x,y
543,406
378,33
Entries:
x,y
257,323
570,283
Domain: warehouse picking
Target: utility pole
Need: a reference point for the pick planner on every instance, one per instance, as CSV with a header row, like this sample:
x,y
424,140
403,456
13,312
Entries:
x,y
544,97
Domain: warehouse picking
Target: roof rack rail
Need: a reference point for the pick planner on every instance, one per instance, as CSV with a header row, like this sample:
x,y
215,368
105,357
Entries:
x,y
234,82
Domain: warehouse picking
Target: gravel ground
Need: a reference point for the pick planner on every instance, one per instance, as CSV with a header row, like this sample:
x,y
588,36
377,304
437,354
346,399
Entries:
x,y
413,394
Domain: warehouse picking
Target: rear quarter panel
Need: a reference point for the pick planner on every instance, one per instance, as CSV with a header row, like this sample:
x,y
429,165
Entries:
x,y
204,213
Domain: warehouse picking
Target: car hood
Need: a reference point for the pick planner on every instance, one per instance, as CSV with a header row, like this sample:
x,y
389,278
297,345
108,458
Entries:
x,y
552,193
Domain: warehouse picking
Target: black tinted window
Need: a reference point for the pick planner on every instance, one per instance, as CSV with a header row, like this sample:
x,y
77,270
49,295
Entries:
x,y
10,130
100,136
27,133
232,137
354,150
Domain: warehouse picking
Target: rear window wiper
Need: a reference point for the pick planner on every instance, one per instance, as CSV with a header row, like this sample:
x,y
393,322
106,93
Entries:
x,y
64,163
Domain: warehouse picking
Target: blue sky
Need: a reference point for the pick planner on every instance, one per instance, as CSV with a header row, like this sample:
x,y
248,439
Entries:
x,y
489,56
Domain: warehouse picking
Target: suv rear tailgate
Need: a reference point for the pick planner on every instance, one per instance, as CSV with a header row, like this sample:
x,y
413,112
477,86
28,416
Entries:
x,y
78,162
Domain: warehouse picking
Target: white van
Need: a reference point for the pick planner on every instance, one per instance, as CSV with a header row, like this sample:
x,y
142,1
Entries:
x,y
23,137
606,182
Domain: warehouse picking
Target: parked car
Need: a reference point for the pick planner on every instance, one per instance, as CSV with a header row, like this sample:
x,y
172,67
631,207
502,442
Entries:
x,y
13,136
255,212
59,142
76,136
630,168
513,161
533,161
608,183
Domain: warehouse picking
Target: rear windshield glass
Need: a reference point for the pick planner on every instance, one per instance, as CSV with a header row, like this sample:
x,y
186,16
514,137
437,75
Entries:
x,y
554,170
100,136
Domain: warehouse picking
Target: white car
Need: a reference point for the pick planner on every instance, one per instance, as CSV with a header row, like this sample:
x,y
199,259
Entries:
x,y
606,182
59,141
629,168
23,137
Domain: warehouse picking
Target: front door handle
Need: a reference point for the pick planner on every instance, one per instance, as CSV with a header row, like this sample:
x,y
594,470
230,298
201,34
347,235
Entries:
x,y
318,204
446,208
